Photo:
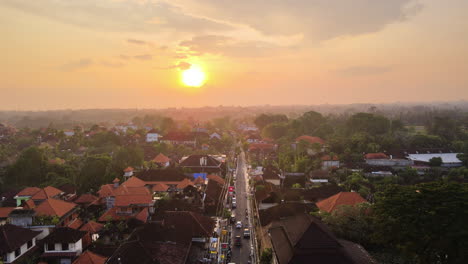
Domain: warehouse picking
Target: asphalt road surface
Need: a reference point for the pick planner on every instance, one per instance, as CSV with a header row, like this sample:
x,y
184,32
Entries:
x,y
240,255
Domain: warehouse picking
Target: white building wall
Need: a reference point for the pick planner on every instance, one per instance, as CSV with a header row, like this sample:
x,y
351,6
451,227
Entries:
x,y
24,249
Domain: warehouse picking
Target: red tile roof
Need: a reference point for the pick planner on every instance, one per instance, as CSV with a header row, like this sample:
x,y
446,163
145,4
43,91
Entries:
x,y
199,180
47,192
342,198
54,207
161,158
160,187
133,199
111,215
375,156
5,211
216,178
328,158
28,191
75,224
29,204
184,183
128,169
116,180
143,215
89,257
134,182
92,227
86,198
311,140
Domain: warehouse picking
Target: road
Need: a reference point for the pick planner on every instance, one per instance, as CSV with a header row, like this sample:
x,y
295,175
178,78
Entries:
x,y
240,255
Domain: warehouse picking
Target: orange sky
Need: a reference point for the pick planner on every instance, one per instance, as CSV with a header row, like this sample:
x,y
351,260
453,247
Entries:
x,y
129,53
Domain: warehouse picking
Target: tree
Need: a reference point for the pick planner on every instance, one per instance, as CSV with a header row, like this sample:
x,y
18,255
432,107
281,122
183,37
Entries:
x,y
427,222
263,120
275,130
435,162
354,223
267,256
94,173
369,123
296,186
408,176
30,168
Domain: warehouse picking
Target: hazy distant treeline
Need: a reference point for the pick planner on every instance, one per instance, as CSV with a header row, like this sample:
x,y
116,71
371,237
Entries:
x,y
414,114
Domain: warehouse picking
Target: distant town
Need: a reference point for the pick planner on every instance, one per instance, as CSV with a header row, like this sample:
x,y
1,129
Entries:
x,y
365,184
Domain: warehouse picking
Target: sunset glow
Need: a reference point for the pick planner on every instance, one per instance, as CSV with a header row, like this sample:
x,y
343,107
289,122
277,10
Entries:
x,y
193,77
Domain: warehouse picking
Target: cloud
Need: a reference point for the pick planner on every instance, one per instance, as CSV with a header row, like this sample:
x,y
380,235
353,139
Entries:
x,y
315,19
143,57
181,66
117,16
138,42
76,65
364,70
228,46
111,64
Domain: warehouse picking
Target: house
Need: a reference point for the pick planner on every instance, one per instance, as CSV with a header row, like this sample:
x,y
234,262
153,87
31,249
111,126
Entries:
x,y
304,239
343,198
310,140
212,197
93,229
205,146
329,162
315,144
89,257
86,199
382,159
63,245
202,164
36,194
155,243
4,214
272,175
179,138
69,133
253,138
449,160
215,136
65,212
152,136
162,160
128,172
199,227
21,217
16,242
266,196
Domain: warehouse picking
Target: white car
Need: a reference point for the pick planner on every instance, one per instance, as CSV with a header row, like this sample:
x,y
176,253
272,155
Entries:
x,y
239,224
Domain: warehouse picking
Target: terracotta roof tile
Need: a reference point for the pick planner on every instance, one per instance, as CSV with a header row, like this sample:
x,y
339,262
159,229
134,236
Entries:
x,y
54,207
128,169
76,223
216,178
5,211
342,198
161,158
199,180
310,139
86,198
92,227
131,199
184,183
134,182
89,257
160,187
28,191
143,215
375,156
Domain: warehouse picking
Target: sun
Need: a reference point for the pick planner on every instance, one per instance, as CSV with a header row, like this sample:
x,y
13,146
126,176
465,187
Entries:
x,y
193,77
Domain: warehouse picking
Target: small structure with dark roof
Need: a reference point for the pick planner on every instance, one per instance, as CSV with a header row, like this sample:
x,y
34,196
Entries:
x,y
16,241
64,244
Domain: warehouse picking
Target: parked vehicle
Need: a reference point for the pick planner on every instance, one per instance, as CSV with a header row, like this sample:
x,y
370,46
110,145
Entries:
x,y
246,233
238,224
234,204
238,241
233,218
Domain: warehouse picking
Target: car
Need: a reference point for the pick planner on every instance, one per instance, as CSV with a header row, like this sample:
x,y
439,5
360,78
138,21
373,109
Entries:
x,y
234,204
238,224
246,233
233,218
238,241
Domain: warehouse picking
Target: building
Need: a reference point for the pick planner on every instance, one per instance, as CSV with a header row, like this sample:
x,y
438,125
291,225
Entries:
x,y
16,242
36,194
65,212
343,198
329,162
89,257
202,164
304,239
152,136
4,214
449,160
63,245
162,160
179,138
382,159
